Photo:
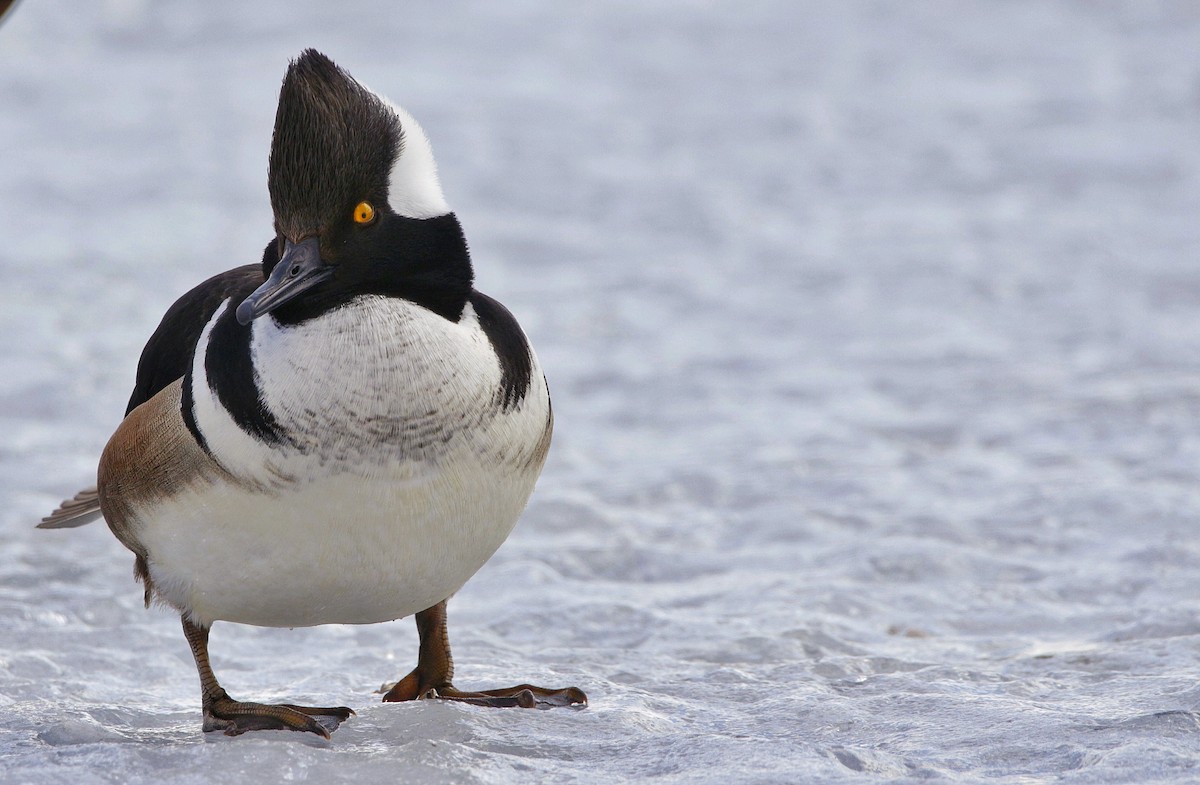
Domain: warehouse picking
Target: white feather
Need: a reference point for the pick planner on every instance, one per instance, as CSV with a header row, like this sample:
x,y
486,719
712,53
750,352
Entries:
x,y
403,479
413,187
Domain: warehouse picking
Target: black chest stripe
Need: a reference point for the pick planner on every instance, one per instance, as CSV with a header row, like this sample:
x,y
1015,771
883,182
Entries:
x,y
516,364
230,371
188,410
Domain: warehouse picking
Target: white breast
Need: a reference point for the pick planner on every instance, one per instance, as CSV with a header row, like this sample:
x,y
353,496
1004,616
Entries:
x,y
401,475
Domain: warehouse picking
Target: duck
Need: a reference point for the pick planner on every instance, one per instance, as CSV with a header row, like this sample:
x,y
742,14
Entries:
x,y
343,433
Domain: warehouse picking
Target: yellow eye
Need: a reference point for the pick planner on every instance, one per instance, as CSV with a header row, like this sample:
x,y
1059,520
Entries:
x,y
364,213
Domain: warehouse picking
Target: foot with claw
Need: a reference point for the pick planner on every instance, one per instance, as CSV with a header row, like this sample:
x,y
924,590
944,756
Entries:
x,y
223,713
236,717
525,696
435,668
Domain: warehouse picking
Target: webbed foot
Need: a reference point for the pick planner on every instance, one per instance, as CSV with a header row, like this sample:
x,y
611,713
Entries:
x,y
526,696
223,713
236,717
435,670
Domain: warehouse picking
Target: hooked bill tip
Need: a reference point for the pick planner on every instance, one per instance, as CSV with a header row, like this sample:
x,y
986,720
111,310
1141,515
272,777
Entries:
x,y
245,312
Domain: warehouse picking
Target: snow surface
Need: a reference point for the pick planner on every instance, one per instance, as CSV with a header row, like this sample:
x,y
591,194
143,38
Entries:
x,y
874,335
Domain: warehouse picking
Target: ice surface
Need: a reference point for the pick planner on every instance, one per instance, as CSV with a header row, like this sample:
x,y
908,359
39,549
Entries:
x,y
874,335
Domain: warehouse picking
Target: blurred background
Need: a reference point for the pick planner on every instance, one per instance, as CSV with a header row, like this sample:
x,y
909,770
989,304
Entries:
x,y
872,330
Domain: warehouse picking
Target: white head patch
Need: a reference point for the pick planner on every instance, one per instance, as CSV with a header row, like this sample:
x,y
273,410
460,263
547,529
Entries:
x,y
413,188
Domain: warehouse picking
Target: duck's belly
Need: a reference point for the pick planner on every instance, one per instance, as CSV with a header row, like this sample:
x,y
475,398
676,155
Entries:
x,y
340,549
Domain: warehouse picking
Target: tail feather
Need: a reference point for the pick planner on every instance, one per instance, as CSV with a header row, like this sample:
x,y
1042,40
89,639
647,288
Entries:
x,y
84,508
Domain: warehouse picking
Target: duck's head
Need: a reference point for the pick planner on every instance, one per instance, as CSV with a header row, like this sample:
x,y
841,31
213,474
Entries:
x,y
356,198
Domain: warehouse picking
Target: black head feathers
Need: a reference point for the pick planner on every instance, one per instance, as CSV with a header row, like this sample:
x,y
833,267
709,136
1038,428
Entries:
x,y
334,145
